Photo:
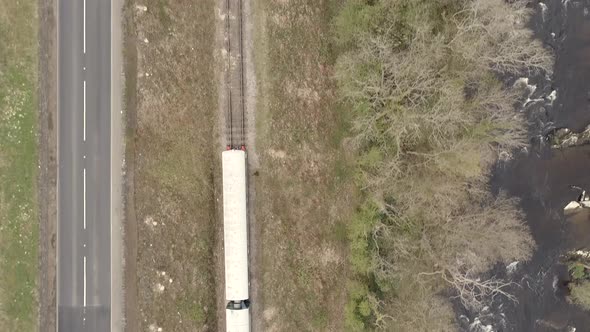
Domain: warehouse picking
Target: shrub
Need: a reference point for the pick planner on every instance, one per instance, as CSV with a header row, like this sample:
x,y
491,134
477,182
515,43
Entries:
x,y
580,294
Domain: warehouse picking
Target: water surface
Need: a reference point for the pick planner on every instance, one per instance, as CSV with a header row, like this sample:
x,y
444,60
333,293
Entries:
x,y
541,178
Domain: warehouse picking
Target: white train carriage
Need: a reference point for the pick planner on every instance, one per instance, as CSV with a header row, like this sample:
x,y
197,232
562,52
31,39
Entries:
x,y
235,235
237,320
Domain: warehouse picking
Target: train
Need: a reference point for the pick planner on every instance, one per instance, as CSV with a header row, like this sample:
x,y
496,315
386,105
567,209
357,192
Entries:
x,y
235,239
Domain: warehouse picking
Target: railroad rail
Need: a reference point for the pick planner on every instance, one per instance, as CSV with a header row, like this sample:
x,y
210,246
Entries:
x,y
234,79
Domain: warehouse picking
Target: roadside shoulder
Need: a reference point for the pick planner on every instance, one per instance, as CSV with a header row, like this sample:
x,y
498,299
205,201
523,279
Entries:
x,y
47,158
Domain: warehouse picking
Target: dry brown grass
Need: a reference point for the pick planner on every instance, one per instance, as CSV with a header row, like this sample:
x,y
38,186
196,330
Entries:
x,y
174,162
303,195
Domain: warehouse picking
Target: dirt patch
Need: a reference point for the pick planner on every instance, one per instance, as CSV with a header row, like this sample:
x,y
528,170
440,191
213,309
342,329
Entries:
x,y
304,192
171,161
47,150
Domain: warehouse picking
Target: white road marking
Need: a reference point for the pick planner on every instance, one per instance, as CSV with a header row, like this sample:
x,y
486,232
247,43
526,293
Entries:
x,y
58,192
84,197
84,281
84,110
84,26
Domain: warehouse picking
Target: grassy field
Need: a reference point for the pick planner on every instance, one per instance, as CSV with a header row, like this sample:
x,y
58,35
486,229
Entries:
x,y
303,195
176,116
18,165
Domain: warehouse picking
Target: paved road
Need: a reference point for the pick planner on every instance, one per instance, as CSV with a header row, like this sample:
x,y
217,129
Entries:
x,y
84,186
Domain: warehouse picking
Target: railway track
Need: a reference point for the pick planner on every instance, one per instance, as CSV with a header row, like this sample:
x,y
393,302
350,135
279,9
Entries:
x,y
234,80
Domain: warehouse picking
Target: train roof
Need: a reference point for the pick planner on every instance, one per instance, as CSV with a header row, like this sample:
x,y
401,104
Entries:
x,y
235,225
237,320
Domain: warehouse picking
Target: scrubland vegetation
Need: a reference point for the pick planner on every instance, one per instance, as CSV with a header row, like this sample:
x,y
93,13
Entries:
x,y
429,117
18,165
171,156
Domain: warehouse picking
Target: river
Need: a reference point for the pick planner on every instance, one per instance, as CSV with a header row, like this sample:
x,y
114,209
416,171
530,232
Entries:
x,y
541,178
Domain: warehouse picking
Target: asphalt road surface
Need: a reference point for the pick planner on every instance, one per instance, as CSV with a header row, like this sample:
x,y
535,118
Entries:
x,y
84,185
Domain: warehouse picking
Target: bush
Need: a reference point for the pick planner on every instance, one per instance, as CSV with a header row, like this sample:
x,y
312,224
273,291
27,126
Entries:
x,y
580,294
577,271
359,231
352,320
357,293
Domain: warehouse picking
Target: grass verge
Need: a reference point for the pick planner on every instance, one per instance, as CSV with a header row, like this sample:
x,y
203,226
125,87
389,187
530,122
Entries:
x,y
175,119
18,165
303,198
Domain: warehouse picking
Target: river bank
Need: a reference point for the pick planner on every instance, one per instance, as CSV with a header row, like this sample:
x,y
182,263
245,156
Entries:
x,y
541,178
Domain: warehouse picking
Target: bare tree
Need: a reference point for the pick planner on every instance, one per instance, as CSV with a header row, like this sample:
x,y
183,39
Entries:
x,y
496,32
474,291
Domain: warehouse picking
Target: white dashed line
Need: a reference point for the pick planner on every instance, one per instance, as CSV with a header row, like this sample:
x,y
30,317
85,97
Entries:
x,y
84,281
84,26
85,198
84,110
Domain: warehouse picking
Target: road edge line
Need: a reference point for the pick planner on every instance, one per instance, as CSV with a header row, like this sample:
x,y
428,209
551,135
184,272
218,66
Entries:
x,y
57,14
